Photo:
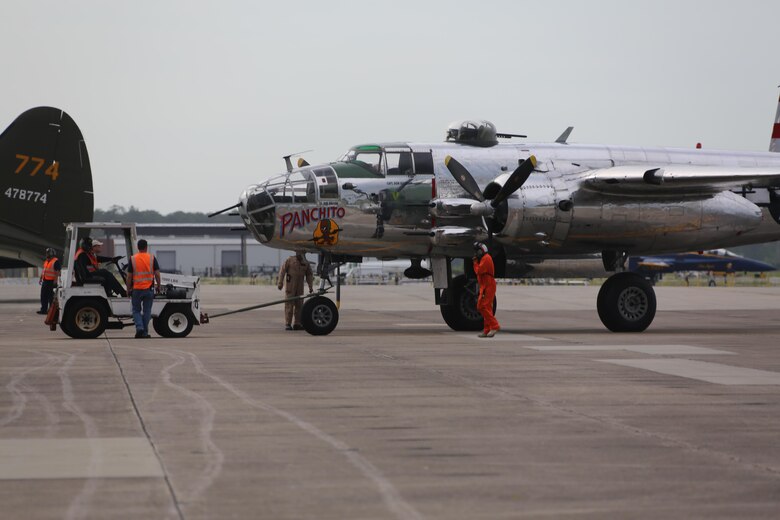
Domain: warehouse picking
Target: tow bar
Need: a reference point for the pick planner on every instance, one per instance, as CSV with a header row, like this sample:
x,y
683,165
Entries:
x,y
205,318
319,315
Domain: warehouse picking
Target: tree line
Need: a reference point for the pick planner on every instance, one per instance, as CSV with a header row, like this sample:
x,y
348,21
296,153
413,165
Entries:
x,y
146,216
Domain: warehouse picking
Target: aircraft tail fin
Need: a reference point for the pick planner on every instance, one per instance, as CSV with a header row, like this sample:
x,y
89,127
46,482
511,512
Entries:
x,y
45,179
774,142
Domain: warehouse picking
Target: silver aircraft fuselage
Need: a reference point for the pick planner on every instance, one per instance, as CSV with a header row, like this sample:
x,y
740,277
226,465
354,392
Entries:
x,y
564,209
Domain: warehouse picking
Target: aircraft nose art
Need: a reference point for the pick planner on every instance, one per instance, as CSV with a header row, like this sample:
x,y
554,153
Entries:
x,y
258,212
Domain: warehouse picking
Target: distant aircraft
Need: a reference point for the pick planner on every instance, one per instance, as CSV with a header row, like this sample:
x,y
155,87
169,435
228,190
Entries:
x,y
591,266
715,260
531,201
45,181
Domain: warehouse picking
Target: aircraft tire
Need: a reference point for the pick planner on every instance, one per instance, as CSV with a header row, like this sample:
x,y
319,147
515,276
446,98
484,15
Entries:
x,y
175,321
626,303
319,316
461,313
85,319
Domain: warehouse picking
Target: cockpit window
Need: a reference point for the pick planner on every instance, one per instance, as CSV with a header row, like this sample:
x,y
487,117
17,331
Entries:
x,y
369,158
380,160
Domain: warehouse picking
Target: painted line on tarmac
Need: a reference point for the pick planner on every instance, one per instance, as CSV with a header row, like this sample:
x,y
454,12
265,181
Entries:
x,y
437,325
503,336
656,350
702,371
123,457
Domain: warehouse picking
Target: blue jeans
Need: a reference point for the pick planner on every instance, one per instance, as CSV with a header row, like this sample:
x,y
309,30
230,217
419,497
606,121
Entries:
x,y
143,297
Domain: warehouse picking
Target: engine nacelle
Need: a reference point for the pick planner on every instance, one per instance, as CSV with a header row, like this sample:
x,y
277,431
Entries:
x,y
531,212
537,219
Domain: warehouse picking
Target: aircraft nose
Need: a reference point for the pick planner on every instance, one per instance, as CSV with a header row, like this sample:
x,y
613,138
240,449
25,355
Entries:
x,y
258,211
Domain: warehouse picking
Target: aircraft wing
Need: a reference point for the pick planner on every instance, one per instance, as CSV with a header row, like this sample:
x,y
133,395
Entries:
x,y
674,179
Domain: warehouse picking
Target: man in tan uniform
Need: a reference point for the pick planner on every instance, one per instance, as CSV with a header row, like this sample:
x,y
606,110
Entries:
x,y
292,273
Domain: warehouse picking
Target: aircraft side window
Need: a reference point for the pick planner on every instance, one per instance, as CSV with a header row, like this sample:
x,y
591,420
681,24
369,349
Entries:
x,y
399,163
311,189
423,163
329,188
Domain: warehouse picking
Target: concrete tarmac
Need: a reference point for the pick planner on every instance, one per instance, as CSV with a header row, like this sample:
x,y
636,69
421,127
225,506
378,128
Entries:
x,y
395,416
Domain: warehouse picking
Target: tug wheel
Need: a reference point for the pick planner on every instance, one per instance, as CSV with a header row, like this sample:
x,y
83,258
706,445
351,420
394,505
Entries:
x,y
84,319
173,322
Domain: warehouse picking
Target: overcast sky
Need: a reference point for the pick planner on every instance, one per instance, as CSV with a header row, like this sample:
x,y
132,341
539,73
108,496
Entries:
x,y
182,104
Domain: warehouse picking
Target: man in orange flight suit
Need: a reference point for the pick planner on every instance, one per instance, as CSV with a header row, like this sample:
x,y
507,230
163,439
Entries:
x,y
483,268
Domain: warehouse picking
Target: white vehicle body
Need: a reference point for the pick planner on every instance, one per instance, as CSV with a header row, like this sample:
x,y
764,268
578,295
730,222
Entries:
x,y
86,310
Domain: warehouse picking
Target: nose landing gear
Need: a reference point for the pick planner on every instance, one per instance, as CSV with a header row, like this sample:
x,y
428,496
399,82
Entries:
x,y
319,316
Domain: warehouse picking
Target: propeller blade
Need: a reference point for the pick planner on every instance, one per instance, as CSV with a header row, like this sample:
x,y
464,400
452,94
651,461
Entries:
x,y
515,181
464,178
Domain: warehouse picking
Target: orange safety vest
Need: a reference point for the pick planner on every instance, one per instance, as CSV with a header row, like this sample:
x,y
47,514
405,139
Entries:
x,y
143,270
93,262
48,269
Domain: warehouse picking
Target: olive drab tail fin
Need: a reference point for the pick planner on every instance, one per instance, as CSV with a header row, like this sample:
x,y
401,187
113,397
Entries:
x,y
45,181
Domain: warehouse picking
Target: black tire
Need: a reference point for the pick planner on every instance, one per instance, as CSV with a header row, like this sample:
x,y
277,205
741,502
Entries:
x,y
84,319
64,328
461,313
626,303
711,283
175,321
319,316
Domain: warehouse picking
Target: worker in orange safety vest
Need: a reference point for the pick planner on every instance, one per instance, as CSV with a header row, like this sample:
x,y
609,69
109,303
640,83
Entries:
x,y
48,279
87,268
142,273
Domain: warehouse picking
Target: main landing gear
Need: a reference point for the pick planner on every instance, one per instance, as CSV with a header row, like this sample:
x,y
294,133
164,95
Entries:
x,y
626,303
460,310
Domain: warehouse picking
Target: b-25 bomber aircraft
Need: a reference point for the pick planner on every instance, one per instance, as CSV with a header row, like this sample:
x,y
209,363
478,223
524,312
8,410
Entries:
x,y
529,201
